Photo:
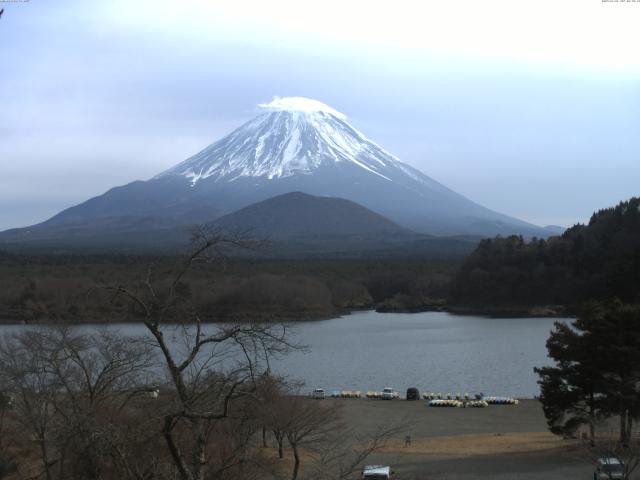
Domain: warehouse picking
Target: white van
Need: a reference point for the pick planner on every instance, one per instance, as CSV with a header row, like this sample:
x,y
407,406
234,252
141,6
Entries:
x,y
376,472
318,393
388,393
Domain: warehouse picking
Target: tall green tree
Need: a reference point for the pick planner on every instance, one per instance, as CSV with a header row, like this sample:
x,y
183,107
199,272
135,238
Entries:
x,y
597,371
570,391
617,327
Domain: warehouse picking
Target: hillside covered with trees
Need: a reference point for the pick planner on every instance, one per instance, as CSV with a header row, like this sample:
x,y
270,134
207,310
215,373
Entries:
x,y
67,289
596,261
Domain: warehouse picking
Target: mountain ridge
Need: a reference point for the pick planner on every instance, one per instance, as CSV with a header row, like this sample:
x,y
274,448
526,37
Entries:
x,y
294,145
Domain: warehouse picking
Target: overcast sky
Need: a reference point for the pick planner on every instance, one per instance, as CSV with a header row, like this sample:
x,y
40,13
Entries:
x,y
531,108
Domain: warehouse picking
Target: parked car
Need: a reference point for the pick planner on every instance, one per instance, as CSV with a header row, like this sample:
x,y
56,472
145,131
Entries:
x,y
388,393
413,393
377,472
318,393
609,468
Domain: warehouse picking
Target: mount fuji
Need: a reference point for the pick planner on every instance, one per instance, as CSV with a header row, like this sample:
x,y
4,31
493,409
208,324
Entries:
x,y
294,145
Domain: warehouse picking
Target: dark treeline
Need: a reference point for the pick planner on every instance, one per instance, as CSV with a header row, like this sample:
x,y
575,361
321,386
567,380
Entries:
x,y
67,288
597,261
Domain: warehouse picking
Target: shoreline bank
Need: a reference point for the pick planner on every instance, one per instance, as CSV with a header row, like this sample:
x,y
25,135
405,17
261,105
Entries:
x,y
7,318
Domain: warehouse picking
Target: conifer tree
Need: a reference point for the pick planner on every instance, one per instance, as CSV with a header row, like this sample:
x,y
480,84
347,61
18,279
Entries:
x,y
597,371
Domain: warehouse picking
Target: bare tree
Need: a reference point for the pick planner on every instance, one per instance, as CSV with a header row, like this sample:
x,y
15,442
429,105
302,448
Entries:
x,y
96,407
96,374
271,409
345,451
26,377
6,403
68,388
186,401
308,426
208,366
315,431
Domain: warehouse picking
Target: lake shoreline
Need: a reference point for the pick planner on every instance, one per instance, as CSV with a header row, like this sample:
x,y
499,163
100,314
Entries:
x,y
547,311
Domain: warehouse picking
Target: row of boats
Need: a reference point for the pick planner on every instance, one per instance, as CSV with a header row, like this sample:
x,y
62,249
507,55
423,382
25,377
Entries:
x,y
458,403
489,400
434,399
358,394
480,401
477,403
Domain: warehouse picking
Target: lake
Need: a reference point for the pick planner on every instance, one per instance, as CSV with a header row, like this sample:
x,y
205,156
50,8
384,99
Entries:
x,y
434,351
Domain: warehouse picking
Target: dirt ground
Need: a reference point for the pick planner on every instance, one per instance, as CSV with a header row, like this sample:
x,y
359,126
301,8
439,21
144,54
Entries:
x,y
500,442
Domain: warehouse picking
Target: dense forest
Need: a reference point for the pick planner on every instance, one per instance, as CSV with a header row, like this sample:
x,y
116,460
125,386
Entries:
x,y
596,261
71,288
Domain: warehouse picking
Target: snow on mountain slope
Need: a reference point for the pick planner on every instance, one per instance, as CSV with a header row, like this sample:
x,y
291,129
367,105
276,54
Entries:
x,y
295,135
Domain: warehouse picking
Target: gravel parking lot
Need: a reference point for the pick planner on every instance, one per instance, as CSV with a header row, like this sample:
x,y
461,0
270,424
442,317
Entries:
x,y
498,442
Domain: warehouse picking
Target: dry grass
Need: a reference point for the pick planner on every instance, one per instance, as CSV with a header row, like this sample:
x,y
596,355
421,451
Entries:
x,y
480,444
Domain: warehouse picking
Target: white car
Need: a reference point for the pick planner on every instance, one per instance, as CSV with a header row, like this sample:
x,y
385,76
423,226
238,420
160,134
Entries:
x,y
609,468
318,393
376,472
388,393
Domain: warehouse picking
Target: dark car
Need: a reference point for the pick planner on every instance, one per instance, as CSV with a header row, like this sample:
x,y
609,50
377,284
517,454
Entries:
x,y
413,394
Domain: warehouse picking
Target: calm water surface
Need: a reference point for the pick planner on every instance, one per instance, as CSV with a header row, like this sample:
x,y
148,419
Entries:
x,y
433,351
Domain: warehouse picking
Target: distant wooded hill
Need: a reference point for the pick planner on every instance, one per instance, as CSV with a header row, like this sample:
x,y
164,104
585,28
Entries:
x,y
595,261
298,214
294,225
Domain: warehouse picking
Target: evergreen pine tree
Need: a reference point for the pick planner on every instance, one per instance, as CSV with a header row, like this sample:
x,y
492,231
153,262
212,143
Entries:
x,y
597,371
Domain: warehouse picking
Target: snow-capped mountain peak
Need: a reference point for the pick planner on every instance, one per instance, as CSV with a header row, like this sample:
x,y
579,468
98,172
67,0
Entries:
x,y
293,136
300,104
